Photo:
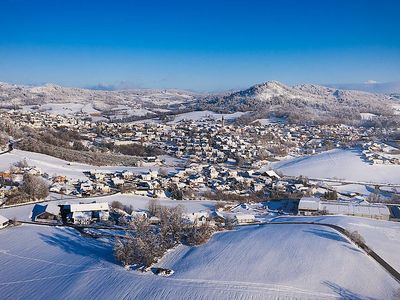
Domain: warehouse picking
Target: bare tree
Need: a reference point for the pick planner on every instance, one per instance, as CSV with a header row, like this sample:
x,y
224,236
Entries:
x,y
171,225
34,187
356,237
154,207
197,235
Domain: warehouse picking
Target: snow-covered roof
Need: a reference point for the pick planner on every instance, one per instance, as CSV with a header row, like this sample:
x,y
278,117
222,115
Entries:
x,y
3,219
355,209
272,173
244,217
89,207
309,203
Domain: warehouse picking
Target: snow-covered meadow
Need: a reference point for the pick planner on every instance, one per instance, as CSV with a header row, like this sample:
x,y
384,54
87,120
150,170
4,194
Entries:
x,y
55,166
257,262
381,236
338,164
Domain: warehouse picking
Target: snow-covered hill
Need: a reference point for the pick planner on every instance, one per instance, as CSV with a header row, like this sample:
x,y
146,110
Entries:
x,y
339,164
269,262
42,97
305,102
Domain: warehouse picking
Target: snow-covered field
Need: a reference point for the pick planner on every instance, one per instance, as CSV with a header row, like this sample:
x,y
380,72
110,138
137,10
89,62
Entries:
x,y
339,164
257,262
52,165
382,236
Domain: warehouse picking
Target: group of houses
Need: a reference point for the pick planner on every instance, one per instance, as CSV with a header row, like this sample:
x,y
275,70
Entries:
x,y
380,153
207,140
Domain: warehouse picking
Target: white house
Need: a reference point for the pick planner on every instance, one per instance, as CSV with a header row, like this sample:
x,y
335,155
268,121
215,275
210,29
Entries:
x,y
244,218
198,218
86,213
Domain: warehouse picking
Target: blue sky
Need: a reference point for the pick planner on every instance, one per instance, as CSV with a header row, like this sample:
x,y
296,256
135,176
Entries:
x,y
201,45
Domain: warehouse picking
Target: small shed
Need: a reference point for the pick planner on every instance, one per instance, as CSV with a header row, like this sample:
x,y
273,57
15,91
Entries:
x,y
4,222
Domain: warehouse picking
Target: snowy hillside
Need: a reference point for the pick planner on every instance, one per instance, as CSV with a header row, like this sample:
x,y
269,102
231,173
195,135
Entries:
x,y
339,164
52,165
382,236
64,100
301,103
280,261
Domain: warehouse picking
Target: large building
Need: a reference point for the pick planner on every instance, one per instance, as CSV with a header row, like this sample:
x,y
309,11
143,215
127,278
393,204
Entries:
x,y
309,206
85,213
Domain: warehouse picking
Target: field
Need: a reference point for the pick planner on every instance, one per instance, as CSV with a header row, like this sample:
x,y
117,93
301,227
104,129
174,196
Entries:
x,y
253,262
382,236
339,164
56,166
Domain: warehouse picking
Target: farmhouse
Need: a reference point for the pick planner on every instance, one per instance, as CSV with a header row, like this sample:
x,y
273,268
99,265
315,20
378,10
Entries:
x,y
309,206
85,213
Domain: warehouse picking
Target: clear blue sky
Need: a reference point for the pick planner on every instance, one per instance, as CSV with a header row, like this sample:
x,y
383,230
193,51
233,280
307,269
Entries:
x,y
200,45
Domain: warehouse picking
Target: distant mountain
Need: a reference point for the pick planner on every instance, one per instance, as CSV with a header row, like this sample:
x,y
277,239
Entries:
x,y
371,87
50,93
308,100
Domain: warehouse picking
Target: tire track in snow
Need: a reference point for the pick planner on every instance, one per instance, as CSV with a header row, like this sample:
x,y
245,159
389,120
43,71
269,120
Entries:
x,y
52,277
242,286
5,252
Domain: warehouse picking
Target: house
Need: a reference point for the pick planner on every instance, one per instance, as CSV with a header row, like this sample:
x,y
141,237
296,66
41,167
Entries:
x,y
139,214
45,213
155,220
59,179
272,174
4,222
150,159
86,187
117,181
101,187
309,206
127,174
197,218
218,217
85,213
244,218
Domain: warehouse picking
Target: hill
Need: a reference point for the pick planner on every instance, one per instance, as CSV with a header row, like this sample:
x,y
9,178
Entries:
x,y
267,262
302,103
110,104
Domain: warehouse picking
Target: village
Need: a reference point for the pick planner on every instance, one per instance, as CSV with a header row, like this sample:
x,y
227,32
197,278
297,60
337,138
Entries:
x,y
207,158
210,159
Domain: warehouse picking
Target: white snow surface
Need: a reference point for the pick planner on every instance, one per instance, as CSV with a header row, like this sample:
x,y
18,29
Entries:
x,y
381,236
55,166
256,262
339,164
